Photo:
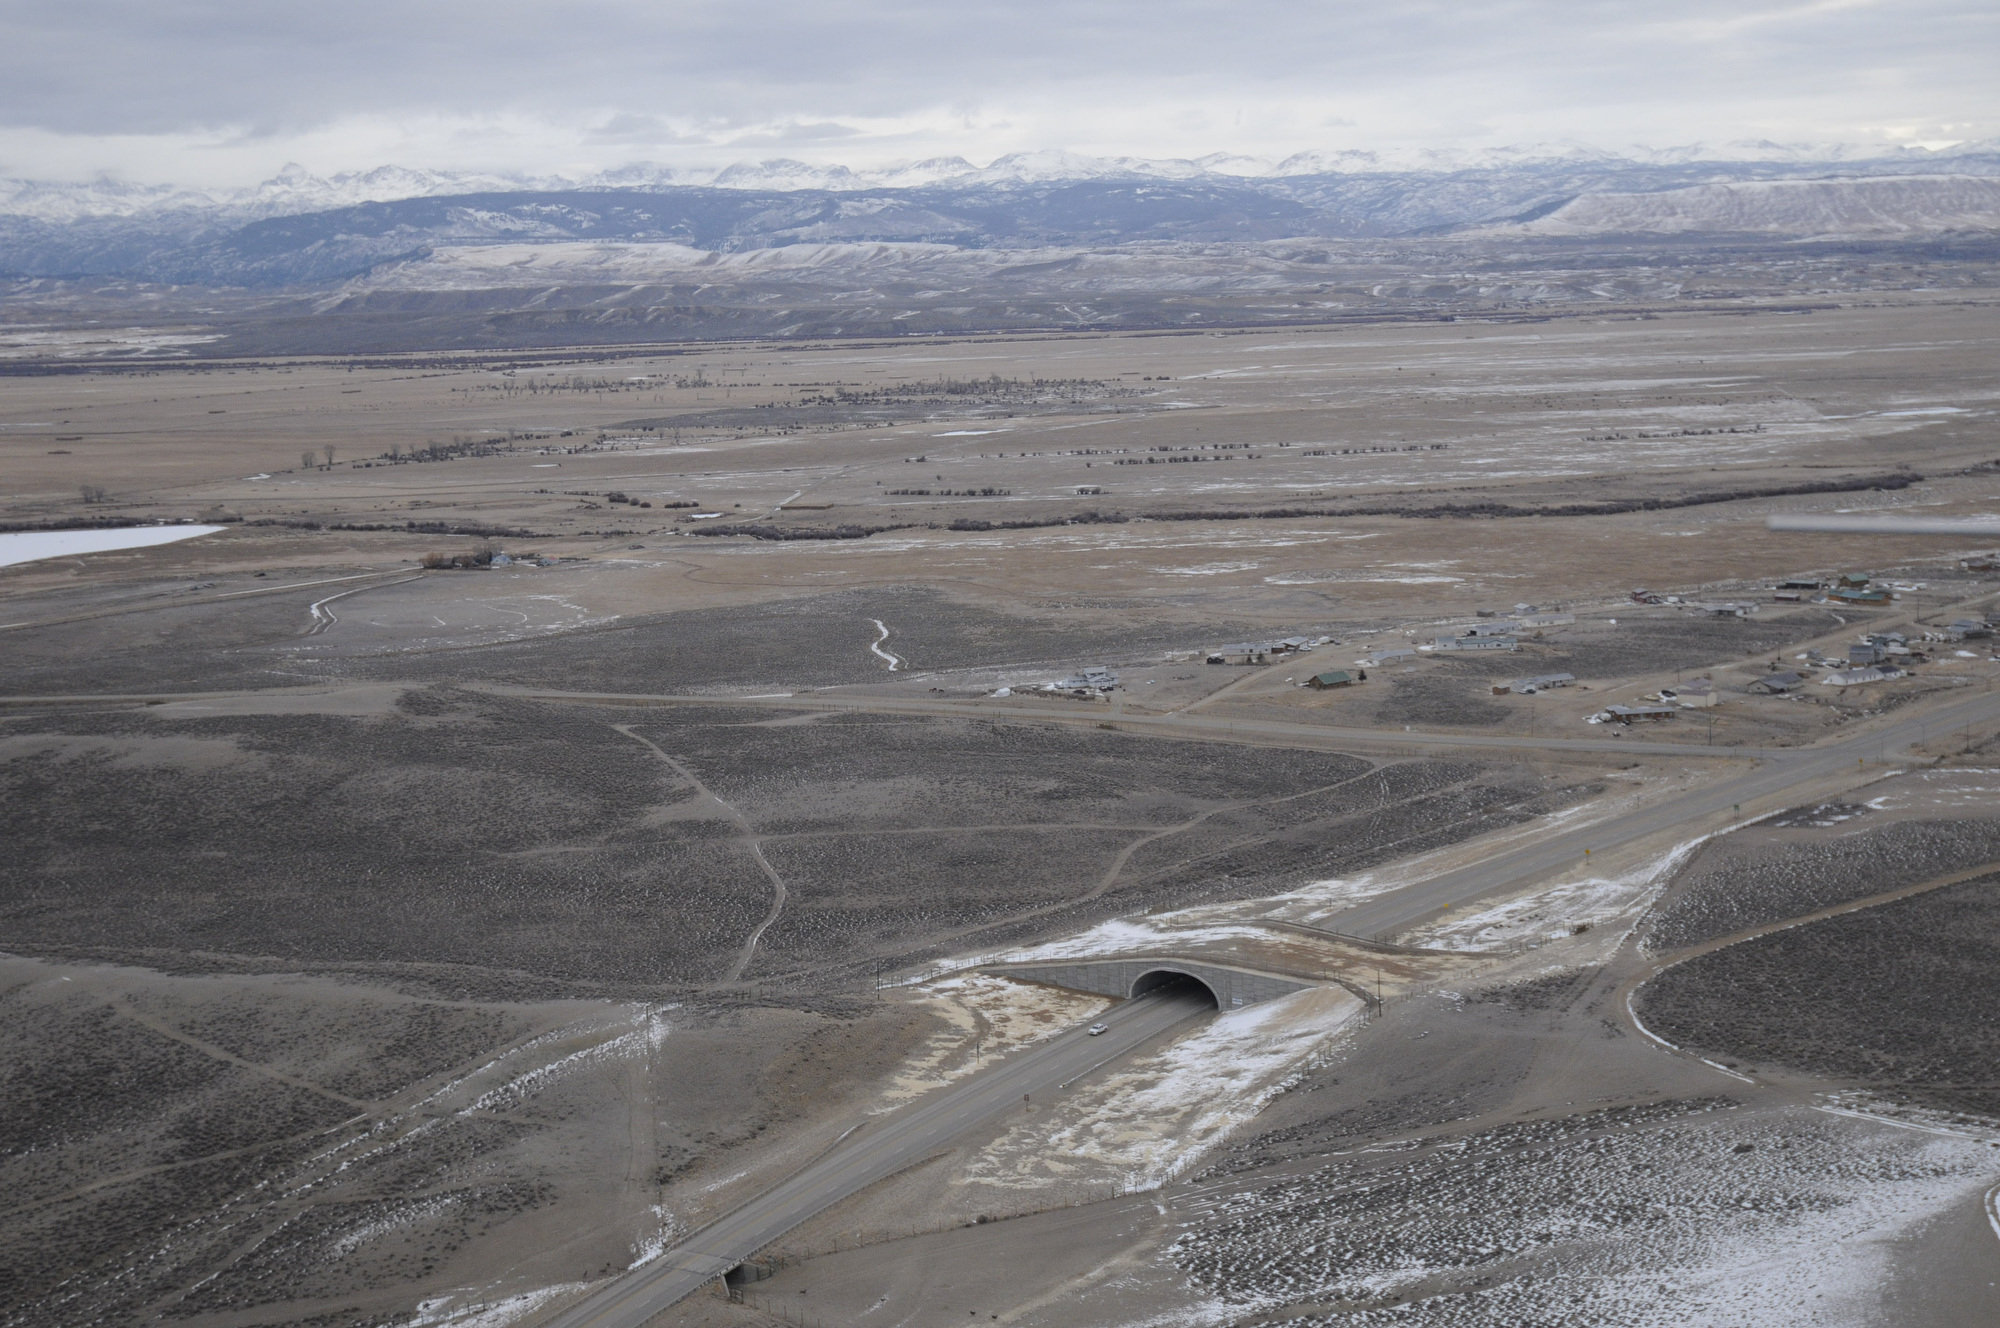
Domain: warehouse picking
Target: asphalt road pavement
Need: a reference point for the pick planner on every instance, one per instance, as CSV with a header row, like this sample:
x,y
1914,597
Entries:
x,y
883,1148
1782,770
880,1148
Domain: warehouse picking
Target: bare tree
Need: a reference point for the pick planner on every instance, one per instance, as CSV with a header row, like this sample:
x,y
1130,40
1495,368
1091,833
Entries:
x,y
307,460
328,449
94,493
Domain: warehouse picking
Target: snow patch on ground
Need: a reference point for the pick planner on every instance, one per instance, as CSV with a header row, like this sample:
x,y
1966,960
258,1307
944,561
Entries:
x,y
445,1312
426,1210
650,1030
1146,1121
894,661
1317,898
658,1241
1557,911
1673,1214
1141,935
1866,1105
1361,577
1939,789
1317,902
993,1015
1208,569
1551,913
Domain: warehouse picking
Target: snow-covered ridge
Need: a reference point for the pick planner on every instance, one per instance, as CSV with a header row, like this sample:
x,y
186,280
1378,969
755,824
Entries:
x,y
294,190
1881,206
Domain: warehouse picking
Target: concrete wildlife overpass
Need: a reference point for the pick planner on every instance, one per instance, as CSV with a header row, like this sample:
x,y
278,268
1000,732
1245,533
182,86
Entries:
x,y
1232,987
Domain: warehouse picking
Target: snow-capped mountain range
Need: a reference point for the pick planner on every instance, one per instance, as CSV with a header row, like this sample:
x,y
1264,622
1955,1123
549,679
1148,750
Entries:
x,y
301,230
294,190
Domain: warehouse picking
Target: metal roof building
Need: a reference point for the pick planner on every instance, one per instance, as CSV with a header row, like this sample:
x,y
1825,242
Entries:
x,y
1540,682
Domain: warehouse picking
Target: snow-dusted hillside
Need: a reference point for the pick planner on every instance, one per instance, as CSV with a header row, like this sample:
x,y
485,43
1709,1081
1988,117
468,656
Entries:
x,y
302,230
295,190
1893,206
855,268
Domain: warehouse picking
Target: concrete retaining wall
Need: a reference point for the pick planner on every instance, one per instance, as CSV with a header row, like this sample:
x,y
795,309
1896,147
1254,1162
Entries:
x,y
1233,987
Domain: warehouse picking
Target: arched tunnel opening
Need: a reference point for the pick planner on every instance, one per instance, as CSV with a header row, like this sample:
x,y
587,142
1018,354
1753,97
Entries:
x,y
1172,982
750,1270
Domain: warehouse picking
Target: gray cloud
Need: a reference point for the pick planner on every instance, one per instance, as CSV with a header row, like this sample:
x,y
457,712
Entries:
x,y
1185,76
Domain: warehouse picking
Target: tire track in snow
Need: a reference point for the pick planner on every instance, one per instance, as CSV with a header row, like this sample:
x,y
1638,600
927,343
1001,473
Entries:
x,y
323,617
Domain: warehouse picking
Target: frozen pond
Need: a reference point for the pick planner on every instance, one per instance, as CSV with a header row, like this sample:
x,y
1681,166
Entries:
x,y
27,546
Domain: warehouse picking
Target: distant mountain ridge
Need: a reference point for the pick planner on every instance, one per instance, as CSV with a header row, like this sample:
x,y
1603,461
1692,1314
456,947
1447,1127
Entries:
x,y
295,190
300,230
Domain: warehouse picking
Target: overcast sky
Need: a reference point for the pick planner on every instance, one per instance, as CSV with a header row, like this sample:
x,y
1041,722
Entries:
x,y
218,92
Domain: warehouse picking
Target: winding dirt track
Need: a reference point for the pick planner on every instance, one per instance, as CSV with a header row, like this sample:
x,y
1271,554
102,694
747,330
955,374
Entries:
x,y
752,842
1772,775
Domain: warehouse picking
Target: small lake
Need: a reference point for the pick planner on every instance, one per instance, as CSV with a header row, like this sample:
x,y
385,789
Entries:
x,y
28,545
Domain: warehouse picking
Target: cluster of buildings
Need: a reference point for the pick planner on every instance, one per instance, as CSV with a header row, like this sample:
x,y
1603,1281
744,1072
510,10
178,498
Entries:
x,y
1500,633
1698,694
1713,608
1265,652
1541,682
1479,636
1879,656
1092,684
1847,588
1645,712
1873,657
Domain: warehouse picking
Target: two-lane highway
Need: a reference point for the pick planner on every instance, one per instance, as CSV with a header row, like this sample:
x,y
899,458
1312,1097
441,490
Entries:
x,y
1787,769
879,1149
